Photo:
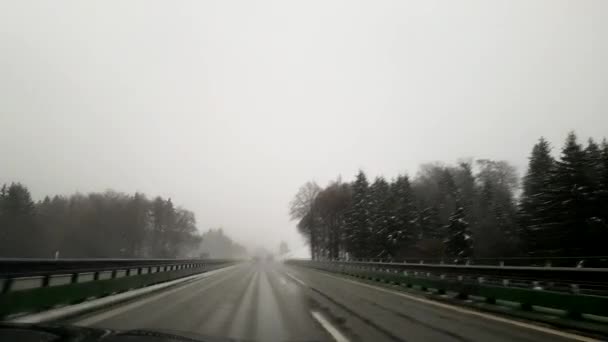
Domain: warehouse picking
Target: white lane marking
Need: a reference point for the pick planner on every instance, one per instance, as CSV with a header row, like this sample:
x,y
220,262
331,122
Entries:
x,y
270,319
295,279
333,331
466,311
226,306
241,318
105,315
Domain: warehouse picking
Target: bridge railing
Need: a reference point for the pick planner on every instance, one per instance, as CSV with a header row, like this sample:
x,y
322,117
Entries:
x,y
574,290
28,285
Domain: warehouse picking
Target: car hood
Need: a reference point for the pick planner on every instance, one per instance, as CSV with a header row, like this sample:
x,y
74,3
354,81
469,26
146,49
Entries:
x,y
68,333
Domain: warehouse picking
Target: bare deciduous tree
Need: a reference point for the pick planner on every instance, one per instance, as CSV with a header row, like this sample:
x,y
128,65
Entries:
x,y
302,208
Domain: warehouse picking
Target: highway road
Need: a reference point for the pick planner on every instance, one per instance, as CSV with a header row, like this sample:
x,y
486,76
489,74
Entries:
x,y
268,301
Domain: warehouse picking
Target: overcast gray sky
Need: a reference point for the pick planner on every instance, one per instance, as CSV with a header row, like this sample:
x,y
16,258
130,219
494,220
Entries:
x,y
229,106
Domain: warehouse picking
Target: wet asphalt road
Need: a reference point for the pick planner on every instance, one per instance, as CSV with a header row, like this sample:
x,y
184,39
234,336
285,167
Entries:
x,y
273,302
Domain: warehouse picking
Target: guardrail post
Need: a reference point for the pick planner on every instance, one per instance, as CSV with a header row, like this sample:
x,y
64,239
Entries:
x,y
574,314
526,306
7,285
45,280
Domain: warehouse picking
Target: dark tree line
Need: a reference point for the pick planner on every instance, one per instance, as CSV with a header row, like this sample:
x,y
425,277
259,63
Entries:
x,y
564,206
97,225
473,209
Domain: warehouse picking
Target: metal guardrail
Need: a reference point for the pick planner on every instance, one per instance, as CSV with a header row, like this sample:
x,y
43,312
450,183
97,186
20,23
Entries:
x,y
568,275
34,284
580,261
528,286
10,268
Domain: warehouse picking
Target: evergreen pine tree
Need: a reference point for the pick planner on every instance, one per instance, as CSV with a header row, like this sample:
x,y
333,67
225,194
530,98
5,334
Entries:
x,y
448,195
603,184
593,163
18,223
535,186
430,226
564,215
403,230
381,219
597,168
467,192
357,219
459,239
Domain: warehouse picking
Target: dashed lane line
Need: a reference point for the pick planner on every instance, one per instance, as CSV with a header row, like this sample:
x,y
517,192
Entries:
x,y
333,331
